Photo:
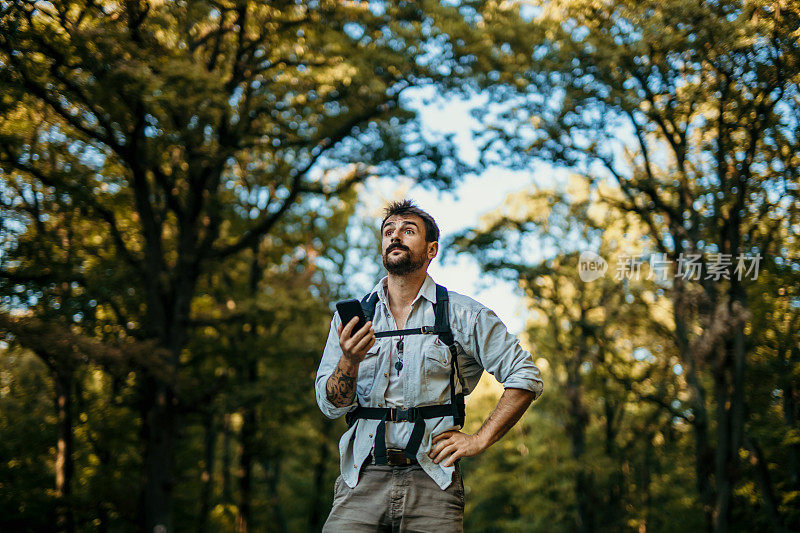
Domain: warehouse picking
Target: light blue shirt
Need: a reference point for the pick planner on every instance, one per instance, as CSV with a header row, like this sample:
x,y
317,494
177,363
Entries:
x,y
483,342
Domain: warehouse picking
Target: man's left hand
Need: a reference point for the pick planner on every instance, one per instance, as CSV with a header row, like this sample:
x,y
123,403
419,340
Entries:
x,y
451,445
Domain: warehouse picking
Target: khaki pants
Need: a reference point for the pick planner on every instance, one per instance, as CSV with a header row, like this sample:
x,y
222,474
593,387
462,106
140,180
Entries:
x,y
397,499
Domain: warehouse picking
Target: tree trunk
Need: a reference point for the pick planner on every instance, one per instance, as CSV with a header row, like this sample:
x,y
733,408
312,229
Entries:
x,y
697,394
64,451
272,468
576,429
248,435
722,460
790,416
249,416
731,412
227,490
613,501
160,428
319,495
729,378
764,483
789,357
645,481
207,477
162,410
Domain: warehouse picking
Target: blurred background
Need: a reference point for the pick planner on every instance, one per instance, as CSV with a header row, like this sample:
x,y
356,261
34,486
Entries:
x,y
187,187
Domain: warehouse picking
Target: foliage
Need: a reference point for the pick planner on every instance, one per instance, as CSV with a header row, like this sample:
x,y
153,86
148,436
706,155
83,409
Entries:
x,y
609,426
691,112
155,155
179,209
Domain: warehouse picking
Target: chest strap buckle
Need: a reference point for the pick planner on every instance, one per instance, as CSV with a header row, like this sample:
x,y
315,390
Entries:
x,y
397,414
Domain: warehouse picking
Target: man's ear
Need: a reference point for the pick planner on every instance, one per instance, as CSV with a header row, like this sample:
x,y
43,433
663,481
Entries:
x,y
433,249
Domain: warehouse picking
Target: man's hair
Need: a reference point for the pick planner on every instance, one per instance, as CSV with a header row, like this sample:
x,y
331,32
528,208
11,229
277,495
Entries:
x,y
407,207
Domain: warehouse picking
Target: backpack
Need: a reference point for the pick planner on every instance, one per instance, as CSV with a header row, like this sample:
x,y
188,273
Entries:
x,y
416,415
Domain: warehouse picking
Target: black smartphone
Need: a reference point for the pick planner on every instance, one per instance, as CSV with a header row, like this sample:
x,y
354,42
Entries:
x,y
348,309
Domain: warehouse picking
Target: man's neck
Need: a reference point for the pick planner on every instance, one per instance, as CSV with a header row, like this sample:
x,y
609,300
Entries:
x,y
403,289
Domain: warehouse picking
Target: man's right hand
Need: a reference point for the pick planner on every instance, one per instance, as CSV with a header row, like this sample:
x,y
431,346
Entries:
x,y
356,345
341,386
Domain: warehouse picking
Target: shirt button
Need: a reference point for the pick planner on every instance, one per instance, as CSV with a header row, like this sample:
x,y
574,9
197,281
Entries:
x,y
370,435
386,374
380,405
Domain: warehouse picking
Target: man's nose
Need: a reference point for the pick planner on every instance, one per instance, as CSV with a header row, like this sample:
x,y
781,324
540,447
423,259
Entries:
x,y
395,239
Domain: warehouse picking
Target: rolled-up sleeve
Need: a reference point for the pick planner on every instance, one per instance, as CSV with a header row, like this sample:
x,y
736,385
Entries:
x,y
330,358
500,353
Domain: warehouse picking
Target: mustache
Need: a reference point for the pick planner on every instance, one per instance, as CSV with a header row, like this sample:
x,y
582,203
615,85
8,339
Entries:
x,y
395,246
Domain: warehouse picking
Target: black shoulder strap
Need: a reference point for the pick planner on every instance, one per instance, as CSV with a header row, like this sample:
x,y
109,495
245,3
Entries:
x,y
441,310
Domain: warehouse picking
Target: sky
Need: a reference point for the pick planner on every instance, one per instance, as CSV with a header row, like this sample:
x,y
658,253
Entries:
x,y
462,207
453,212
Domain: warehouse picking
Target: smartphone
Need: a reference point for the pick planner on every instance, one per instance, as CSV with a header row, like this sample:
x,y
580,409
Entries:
x,y
348,309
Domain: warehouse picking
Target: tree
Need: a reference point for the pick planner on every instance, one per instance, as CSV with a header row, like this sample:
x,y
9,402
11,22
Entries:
x,y
165,139
605,430
690,109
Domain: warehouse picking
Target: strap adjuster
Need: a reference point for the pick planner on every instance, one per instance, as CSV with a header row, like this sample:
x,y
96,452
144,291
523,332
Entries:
x,y
397,414
428,329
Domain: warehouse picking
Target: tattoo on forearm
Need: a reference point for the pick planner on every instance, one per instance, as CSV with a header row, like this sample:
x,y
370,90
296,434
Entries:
x,y
341,388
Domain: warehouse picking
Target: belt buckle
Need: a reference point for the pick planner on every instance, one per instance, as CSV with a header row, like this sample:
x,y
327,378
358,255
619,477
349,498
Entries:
x,y
397,457
402,415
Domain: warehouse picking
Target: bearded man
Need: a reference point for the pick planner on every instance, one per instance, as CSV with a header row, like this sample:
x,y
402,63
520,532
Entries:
x,y
403,390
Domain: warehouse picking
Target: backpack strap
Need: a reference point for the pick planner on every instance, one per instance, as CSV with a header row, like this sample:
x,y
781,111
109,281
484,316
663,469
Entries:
x,y
441,310
455,408
368,304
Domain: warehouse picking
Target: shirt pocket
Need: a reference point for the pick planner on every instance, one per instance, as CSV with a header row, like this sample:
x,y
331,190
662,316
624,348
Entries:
x,y
367,371
436,366
437,355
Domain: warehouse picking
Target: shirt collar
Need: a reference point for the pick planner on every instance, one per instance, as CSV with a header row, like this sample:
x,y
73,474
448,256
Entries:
x,y
427,291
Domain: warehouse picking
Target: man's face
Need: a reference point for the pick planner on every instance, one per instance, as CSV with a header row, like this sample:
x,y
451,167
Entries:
x,y
403,245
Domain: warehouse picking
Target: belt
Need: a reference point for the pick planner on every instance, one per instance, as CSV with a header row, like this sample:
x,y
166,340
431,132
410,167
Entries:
x,y
394,457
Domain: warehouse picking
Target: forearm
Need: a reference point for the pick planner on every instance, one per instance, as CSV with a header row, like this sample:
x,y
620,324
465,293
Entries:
x,y
510,408
341,386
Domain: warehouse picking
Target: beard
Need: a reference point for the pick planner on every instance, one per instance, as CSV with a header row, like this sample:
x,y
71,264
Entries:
x,y
404,264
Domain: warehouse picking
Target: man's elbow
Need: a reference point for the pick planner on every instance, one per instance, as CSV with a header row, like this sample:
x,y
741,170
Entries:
x,y
321,393
527,385
522,396
330,414
328,408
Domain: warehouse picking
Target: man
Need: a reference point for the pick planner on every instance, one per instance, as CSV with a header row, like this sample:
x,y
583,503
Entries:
x,y
399,466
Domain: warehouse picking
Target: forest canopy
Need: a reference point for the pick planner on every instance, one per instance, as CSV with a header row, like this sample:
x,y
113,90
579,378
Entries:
x,y
182,201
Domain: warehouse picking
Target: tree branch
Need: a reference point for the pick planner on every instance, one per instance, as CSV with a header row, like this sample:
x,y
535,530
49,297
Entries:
x,y
105,214
266,224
